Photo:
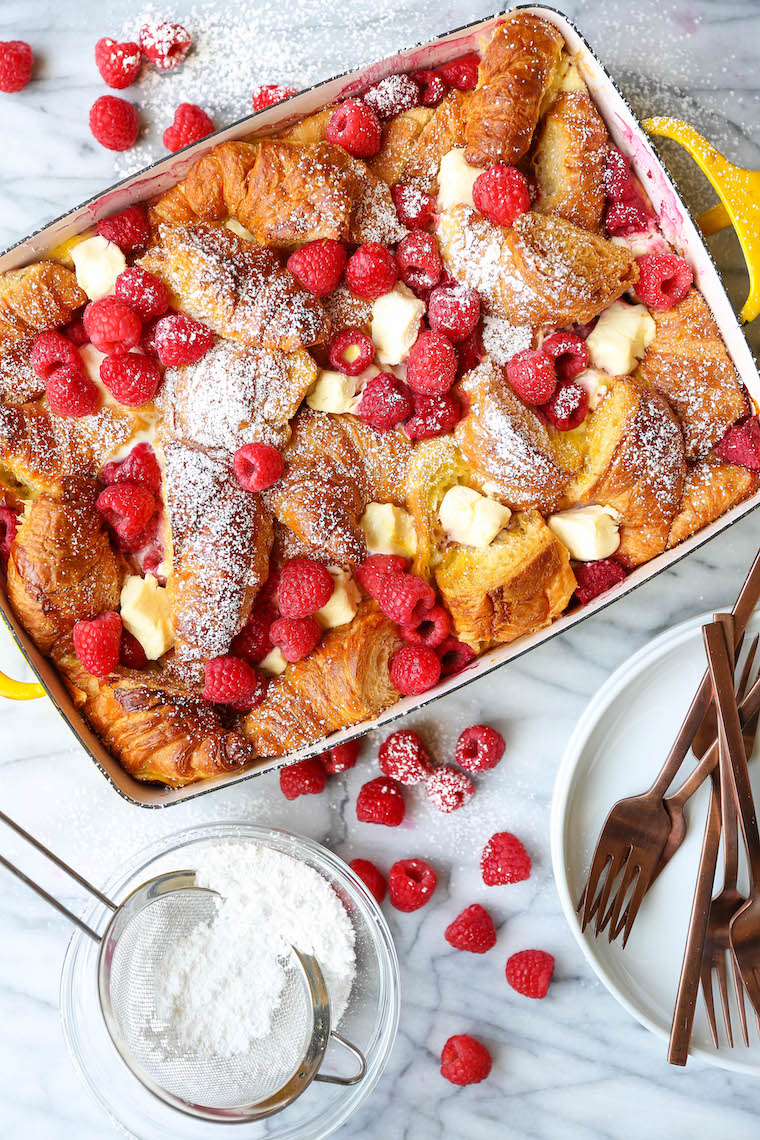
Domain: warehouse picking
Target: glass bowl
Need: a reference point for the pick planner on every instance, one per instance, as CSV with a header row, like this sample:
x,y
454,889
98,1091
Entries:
x,y
370,1021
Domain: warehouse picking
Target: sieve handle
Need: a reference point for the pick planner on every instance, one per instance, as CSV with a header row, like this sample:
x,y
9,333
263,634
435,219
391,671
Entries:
x,y
327,1079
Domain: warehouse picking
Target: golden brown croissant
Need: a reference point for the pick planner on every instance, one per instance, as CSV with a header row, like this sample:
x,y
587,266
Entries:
x,y
442,133
399,137
687,362
516,77
436,465
712,487
344,681
237,289
19,383
569,161
41,296
518,584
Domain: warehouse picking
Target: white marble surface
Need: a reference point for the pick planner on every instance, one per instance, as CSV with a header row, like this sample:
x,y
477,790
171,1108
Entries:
x,y
574,1067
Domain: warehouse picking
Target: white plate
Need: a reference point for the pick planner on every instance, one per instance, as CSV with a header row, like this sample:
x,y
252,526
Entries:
x,y
616,750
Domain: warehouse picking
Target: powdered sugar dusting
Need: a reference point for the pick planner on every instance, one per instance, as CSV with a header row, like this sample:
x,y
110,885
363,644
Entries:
x,y
502,340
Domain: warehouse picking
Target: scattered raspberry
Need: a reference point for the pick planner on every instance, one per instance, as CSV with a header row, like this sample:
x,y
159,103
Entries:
x,y
568,353
8,528
386,402
145,294
319,265
595,578
479,747
432,365
370,876
131,653
356,128
568,407
380,801
117,63
419,262
530,972
230,681
305,587
70,393
627,212
129,229
371,271
111,325
375,568
431,631
415,669
181,340
50,350
433,85
472,930
454,311
461,73
148,337
131,378
257,466
296,637
411,883
415,208
16,63
621,219
501,194
405,598
97,643
127,508
454,656
75,331
532,375
464,1061
267,94
114,123
140,466
254,641
618,180
165,44
404,757
741,445
190,125
351,352
449,789
469,352
392,96
341,757
664,280
433,415
504,860
304,778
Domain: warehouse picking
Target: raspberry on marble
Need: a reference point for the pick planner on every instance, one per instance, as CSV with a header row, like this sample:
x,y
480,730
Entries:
x,y
114,123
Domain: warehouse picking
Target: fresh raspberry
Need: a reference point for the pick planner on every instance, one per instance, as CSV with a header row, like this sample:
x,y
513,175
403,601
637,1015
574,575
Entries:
x,y
568,407
504,860
454,656
381,801
181,340
531,373
145,294
405,598
479,747
595,578
129,229
305,587
117,63
304,778
127,507
371,877
371,271
464,1061
319,265
501,194
254,641
70,393
411,883
114,123
415,669
8,528
432,365
230,681
433,87
375,568
472,930
351,351
16,63
148,336
741,445
454,311
341,757
112,325
268,591
618,180
392,96
296,637
97,643
190,125
419,262
356,128
415,208
140,466
624,218
431,631
131,653
433,415
469,352
50,350
257,466
568,352
664,280
267,94
530,972
449,789
165,44
461,73
132,378
386,402
75,332
404,757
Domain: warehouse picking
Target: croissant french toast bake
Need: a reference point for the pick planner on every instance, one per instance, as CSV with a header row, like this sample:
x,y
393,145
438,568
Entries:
x,y
350,405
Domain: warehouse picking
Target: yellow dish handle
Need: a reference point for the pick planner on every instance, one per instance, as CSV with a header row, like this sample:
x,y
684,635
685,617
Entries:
x,y
20,690
739,206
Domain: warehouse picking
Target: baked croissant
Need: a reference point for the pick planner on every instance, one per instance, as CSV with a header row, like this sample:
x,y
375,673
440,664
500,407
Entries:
x,y
569,161
344,681
711,488
19,383
399,137
516,77
442,133
239,290
41,296
687,362
436,465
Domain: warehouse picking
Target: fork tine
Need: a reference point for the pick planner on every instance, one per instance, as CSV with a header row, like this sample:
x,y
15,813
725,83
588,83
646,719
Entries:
x,y
617,865
705,980
752,987
602,860
739,989
741,688
720,967
631,874
637,898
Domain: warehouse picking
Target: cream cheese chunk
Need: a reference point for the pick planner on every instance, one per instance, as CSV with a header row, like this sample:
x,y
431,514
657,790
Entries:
x,y
455,180
396,319
332,392
274,663
234,225
620,338
646,241
146,613
596,384
344,602
389,530
97,263
589,533
471,519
